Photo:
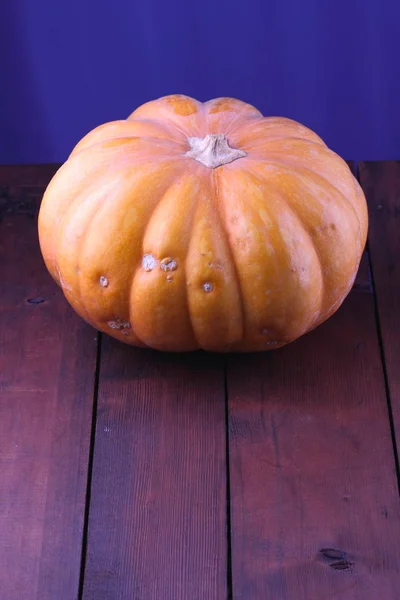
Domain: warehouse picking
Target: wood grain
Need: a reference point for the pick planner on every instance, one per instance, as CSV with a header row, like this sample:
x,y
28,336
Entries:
x,y
314,503
157,526
381,184
47,365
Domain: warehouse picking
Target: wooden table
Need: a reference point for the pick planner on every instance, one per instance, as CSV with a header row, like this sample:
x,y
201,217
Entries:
x,y
135,475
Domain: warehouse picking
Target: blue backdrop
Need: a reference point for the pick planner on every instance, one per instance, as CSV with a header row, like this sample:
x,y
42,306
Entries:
x,y
69,66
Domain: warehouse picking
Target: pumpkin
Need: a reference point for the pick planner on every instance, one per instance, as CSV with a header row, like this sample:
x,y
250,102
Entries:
x,y
203,225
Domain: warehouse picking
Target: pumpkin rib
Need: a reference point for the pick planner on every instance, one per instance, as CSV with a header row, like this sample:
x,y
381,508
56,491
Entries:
x,y
287,202
288,156
346,198
173,108
179,173
108,131
171,123
254,145
262,316
84,191
98,217
130,140
238,285
187,289
209,268
136,268
263,129
308,235
78,246
296,169
170,130
224,217
49,239
197,209
239,117
84,197
297,218
348,201
188,303
185,286
231,126
322,181
128,316
87,171
102,205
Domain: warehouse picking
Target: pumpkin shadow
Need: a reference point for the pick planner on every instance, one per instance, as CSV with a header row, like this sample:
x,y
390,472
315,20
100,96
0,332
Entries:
x,y
325,366
137,363
322,368
180,387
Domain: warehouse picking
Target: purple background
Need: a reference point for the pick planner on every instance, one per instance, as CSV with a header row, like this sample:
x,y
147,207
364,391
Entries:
x,y
66,67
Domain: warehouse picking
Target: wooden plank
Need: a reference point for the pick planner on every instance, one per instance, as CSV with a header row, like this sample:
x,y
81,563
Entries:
x,y
47,366
314,504
381,184
22,176
157,524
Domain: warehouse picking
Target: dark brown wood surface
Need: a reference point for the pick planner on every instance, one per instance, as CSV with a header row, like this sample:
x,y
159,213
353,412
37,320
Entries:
x,y
255,477
381,183
313,489
315,510
157,526
47,366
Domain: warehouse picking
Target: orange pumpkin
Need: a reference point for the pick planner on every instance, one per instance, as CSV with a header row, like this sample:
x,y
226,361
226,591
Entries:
x,y
193,225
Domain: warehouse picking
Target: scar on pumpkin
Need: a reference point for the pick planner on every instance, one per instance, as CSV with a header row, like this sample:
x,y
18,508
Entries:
x,y
149,262
119,324
169,264
103,281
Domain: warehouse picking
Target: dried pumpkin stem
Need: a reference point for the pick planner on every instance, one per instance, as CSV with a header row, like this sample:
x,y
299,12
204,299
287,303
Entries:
x,y
213,150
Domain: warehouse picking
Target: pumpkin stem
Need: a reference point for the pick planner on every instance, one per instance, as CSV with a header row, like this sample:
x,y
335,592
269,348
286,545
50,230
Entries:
x,y
213,150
